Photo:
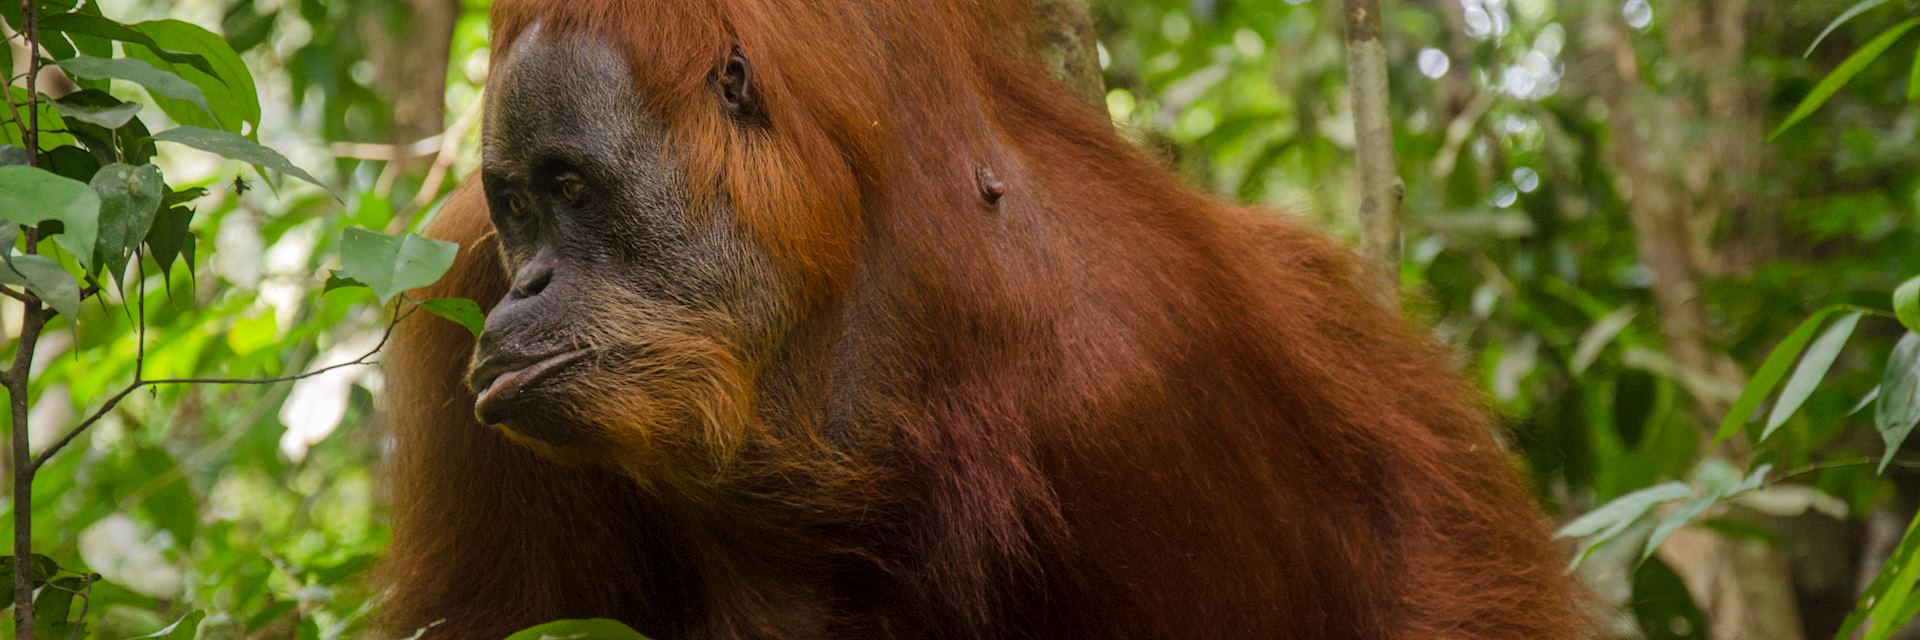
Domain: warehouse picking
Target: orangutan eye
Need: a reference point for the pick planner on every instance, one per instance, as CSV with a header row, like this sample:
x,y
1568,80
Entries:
x,y
519,203
572,187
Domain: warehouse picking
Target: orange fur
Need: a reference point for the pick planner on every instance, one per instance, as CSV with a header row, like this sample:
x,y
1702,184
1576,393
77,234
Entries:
x,y
1106,406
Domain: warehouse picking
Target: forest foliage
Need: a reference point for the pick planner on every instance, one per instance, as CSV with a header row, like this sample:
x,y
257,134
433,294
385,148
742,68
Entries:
x,y
1671,241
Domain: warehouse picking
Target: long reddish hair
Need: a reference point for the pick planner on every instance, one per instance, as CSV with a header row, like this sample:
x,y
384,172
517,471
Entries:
x,y
1103,405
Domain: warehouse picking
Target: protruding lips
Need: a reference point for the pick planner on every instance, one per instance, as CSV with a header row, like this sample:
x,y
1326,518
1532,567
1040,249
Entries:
x,y
502,379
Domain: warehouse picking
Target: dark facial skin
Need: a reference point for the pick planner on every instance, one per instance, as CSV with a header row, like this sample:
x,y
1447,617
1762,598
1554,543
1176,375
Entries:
x,y
611,269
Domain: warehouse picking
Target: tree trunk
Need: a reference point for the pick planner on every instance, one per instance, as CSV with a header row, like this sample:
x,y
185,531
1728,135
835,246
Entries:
x,y
1745,588
1071,49
1376,165
415,70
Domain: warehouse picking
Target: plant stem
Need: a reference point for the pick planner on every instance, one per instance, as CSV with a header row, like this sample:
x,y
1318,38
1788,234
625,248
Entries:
x,y
33,319
1374,160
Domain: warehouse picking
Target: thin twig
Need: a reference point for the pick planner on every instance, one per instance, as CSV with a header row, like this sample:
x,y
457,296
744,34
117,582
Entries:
x,y
139,384
1828,466
9,292
32,321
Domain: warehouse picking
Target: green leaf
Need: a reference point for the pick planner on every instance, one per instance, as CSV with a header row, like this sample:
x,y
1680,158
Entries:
x,y
1845,73
1913,80
44,567
234,146
171,235
1663,606
53,606
392,265
1813,367
1596,339
1896,412
597,629
1674,521
100,27
45,278
30,196
1880,600
1852,12
1770,373
1627,507
129,199
1906,304
160,82
460,310
228,84
11,155
335,282
172,505
183,629
111,117
1602,525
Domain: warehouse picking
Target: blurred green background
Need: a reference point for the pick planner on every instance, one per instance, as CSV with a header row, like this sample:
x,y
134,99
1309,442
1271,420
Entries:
x,y
1595,220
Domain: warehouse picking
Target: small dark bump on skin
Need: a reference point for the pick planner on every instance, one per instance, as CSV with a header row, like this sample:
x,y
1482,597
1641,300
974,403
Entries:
x,y
992,189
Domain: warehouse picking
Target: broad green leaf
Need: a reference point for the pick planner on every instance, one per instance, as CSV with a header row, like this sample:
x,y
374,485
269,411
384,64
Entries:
x,y
1770,373
1852,12
460,310
228,85
234,146
391,266
53,607
1663,606
1899,573
30,196
172,505
53,128
45,278
1906,304
111,117
170,237
1624,508
160,82
597,629
1897,410
335,281
1813,368
11,155
44,567
129,199
183,629
100,27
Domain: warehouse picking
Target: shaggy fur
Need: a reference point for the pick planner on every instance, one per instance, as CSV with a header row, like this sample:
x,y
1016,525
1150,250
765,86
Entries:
x,y
1103,406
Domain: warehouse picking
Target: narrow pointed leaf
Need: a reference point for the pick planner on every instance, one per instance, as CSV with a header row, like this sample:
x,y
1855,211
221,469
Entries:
x,y
1813,368
1897,410
1769,375
1845,73
1852,12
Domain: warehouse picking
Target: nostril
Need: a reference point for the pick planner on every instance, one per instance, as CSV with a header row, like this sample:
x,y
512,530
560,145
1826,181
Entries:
x,y
532,281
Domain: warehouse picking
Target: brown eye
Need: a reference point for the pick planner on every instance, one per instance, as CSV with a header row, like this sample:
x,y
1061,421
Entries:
x,y
519,204
572,187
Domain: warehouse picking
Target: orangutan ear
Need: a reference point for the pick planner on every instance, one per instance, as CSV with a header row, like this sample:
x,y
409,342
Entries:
x,y
739,95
